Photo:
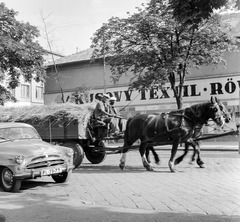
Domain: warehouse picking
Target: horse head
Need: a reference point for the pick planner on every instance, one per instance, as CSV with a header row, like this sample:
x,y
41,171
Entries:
x,y
215,112
226,115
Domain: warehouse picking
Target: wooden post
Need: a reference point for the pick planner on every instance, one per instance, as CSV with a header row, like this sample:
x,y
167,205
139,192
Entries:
x,y
50,130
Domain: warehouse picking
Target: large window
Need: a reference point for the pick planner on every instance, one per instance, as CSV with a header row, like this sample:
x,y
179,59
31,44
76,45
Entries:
x,y
39,92
24,91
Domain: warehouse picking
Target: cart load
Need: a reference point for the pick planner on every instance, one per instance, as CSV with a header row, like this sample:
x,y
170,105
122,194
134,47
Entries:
x,y
64,124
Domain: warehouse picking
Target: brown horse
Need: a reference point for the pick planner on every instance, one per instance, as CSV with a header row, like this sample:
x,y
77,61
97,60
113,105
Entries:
x,y
168,128
192,142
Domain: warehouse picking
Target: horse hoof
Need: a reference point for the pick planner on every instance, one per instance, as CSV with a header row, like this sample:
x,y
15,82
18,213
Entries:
x,y
171,167
158,162
191,162
149,168
121,166
176,162
202,165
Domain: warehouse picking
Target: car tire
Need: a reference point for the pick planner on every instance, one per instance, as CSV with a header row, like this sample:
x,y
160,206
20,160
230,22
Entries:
x,y
62,177
8,182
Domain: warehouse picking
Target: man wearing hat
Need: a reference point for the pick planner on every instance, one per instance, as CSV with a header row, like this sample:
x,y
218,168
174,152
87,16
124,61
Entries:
x,y
102,112
119,121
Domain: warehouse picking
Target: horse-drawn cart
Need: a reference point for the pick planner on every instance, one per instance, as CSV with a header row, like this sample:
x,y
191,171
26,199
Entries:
x,y
67,125
70,125
84,140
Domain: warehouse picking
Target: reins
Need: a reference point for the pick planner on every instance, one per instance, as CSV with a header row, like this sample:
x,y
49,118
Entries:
x,y
184,115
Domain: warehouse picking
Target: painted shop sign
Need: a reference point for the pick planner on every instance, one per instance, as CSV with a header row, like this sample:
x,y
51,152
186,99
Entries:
x,y
225,88
196,90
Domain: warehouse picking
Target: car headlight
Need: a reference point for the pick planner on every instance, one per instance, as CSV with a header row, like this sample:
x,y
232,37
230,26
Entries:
x,y
19,159
69,152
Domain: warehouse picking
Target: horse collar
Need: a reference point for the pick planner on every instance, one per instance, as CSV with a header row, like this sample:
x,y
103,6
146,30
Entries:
x,y
202,121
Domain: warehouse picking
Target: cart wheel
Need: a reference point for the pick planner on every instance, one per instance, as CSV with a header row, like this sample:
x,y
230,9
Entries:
x,y
96,157
78,154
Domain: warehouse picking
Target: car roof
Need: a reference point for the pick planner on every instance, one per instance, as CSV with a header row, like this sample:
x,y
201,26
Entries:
x,y
13,124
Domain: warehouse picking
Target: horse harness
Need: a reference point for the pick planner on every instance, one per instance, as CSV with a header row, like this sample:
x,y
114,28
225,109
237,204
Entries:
x,y
183,116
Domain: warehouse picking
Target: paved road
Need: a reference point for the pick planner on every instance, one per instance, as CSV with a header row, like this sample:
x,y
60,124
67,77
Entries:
x,y
105,193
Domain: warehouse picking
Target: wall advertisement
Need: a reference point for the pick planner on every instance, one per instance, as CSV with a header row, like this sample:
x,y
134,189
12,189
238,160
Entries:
x,y
224,88
194,91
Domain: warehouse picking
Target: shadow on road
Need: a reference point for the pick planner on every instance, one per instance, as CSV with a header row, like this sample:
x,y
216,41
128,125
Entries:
x,y
95,168
22,208
31,184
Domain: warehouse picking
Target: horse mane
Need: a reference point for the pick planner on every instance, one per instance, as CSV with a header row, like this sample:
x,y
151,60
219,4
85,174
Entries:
x,y
199,111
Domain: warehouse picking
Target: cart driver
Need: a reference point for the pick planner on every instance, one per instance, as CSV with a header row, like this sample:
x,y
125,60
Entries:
x,y
102,113
120,121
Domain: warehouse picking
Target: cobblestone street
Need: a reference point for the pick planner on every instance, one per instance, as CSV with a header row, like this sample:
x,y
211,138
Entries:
x,y
105,193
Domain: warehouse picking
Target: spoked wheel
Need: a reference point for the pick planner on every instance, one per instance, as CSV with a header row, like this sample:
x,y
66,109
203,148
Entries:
x,y
62,177
98,156
78,154
8,182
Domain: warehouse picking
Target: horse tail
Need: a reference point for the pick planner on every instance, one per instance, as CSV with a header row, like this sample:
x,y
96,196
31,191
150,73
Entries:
x,y
126,136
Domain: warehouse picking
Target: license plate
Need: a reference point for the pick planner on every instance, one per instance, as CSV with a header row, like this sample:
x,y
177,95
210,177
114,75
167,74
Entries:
x,y
51,171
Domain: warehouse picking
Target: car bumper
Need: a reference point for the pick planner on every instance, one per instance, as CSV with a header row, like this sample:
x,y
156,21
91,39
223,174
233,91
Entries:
x,y
40,172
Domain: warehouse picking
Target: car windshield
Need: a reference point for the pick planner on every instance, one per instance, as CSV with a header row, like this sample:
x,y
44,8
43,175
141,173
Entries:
x,y
18,133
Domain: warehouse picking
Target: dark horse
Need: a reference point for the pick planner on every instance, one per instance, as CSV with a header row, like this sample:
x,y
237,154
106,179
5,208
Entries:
x,y
168,128
192,142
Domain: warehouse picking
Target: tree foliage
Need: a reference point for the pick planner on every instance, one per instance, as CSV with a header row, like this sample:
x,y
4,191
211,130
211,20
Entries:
x,y
20,53
81,94
155,47
194,11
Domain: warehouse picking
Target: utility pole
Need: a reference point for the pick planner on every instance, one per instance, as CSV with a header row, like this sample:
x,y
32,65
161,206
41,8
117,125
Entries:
x,y
104,62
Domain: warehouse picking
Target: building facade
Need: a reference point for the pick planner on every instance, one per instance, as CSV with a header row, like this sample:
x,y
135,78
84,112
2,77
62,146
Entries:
x,y
27,93
30,93
199,86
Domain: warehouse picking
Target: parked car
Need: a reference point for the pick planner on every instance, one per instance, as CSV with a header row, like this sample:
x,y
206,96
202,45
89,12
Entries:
x,y
24,155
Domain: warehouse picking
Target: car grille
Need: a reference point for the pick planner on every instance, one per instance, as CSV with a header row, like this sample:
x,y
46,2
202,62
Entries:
x,y
45,161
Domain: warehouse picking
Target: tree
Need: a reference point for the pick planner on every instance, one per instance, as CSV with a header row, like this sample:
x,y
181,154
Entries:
x,y
20,53
81,94
156,48
6,95
56,73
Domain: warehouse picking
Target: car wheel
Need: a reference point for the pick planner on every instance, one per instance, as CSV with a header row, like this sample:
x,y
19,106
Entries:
x,y
8,182
62,177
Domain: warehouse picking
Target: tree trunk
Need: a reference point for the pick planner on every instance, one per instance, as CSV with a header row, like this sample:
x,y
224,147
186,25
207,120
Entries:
x,y
179,102
176,91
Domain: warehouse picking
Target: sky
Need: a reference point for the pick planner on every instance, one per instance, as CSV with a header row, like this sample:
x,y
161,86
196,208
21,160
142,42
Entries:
x,y
70,23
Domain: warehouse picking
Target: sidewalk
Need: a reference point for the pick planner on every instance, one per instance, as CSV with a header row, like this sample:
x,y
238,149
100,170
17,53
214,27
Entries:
x,y
205,146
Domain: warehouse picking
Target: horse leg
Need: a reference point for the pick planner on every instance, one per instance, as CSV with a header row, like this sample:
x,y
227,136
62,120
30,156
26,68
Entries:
x,y
194,154
126,146
173,153
142,151
147,154
123,161
197,151
180,159
157,160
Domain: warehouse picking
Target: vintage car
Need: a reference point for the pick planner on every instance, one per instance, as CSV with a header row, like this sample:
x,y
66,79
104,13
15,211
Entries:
x,y
24,155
